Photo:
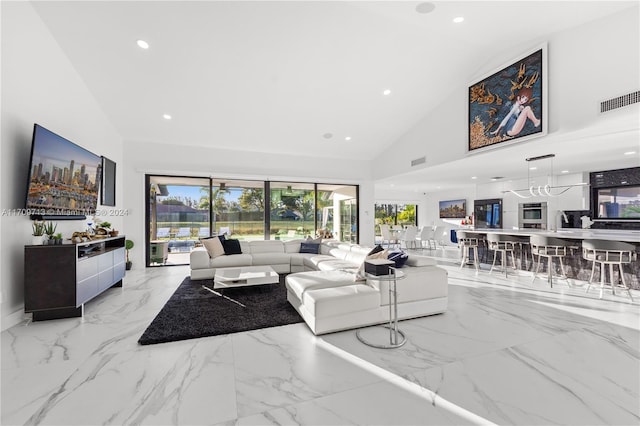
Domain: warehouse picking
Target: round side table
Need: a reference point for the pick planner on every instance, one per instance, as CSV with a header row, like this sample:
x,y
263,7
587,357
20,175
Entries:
x,y
396,337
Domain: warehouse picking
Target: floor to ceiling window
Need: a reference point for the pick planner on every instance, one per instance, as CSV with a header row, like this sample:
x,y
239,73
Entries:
x,y
177,218
292,207
399,215
182,210
238,208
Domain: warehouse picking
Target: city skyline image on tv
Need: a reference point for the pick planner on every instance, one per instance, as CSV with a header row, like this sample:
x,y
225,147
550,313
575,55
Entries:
x,y
64,178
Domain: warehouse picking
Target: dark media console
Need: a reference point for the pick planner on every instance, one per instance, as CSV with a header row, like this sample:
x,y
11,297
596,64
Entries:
x,y
60,279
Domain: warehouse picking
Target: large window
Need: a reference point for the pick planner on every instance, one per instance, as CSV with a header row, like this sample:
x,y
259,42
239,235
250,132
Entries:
x,y
292,210
399,215
238,208
177,218
182,210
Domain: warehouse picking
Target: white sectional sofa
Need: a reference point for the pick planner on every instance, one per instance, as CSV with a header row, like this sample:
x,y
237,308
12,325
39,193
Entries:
x,y
326,289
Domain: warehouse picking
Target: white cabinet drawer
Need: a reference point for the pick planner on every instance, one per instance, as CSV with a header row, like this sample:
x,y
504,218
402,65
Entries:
x,y
86,290
87,267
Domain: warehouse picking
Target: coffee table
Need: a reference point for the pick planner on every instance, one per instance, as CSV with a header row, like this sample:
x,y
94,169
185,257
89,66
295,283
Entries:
x,y
244,276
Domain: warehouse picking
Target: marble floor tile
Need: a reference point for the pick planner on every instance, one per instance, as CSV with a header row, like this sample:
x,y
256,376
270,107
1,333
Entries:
x,y
505,351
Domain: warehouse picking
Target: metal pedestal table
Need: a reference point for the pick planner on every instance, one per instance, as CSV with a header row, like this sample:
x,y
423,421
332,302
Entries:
x,y
396,337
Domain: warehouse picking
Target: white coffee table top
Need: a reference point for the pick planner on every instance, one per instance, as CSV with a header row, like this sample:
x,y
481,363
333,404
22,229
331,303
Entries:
x,y
244,276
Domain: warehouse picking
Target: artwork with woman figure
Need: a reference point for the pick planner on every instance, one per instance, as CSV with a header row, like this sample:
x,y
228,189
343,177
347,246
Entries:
x,y
509,104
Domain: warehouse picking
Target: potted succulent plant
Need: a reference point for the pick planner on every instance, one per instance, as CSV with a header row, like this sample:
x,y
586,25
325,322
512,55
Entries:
x,y
128,245
50,230
37,232
57,238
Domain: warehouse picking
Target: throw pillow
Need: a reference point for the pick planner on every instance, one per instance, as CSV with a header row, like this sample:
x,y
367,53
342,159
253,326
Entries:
x,y
309,248
214,247
312,241
231,246
399,257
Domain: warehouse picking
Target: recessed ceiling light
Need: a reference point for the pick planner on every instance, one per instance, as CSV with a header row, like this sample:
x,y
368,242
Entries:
x,y
348,138
629,153
533,168
564,171
458,19
387,92
474,177
166,116
425,7
143,44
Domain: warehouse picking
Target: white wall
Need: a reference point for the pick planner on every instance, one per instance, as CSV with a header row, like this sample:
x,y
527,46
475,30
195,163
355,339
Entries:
x,y
39,85
586,65
149,158
583,69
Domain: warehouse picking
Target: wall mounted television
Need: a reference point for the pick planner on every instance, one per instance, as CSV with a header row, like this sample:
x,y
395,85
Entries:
x,y
453,209
64,178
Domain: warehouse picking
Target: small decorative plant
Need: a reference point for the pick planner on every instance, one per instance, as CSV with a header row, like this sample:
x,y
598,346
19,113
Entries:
x,y
105,225
38,228
37,231
128,245
50,229
58,238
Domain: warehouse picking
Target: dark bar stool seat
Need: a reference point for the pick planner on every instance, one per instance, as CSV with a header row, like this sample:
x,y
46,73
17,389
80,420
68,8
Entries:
x,y
603,253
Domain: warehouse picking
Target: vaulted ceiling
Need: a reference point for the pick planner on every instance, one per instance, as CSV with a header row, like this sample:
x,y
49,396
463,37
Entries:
x,y
289,76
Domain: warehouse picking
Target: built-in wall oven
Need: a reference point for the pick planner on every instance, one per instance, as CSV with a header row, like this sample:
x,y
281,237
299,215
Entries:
x,y
532,215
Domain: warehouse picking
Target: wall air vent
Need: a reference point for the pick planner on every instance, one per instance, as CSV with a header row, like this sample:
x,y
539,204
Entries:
x,y
620,101
418,161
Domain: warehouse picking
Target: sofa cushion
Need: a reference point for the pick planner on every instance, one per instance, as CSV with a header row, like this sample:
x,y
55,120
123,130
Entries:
x,y
300,282
418,260
228,261
309,248
314,260
334,265
292,246
266,246
231,246
214,247
271,258
328,302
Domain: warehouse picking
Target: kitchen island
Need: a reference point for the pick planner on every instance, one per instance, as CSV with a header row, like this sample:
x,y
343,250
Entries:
x,y
576,267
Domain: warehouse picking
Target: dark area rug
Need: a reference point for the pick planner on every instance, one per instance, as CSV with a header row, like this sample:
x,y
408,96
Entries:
x,y
194,311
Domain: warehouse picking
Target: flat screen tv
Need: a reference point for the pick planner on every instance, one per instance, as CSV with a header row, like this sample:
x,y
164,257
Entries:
x,y
64,178
453,209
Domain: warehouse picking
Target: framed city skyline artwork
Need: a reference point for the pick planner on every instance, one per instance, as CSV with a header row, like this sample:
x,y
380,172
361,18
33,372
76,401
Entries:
x,y
510,104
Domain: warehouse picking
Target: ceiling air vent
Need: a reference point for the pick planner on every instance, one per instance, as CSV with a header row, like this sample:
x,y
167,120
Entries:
x,y
620,101
418,161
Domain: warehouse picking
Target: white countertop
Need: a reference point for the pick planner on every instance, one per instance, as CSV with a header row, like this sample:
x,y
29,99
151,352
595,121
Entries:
x,y
631,236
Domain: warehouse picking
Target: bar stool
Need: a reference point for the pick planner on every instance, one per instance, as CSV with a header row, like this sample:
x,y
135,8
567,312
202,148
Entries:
x,y
503,244
609,253
550,248
468,244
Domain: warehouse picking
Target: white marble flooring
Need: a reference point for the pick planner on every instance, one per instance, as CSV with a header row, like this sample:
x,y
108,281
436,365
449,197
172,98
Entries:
x,y
505,352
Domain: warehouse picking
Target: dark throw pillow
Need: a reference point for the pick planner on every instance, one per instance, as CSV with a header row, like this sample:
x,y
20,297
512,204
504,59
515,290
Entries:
x,y
399,257
312,248
231,246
